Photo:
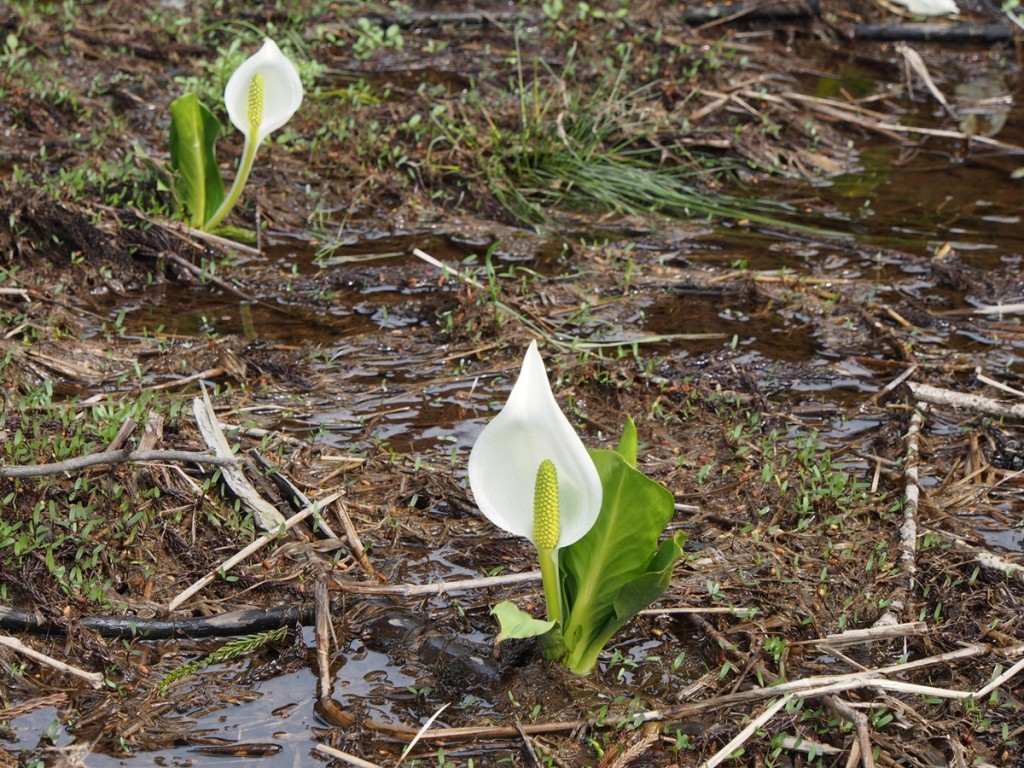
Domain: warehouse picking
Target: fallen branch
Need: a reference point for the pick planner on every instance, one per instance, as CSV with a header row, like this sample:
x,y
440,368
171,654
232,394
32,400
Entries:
x,y
433,19
721,14
121,456
967,401
95,679
480,732
228,624
908,529
933,33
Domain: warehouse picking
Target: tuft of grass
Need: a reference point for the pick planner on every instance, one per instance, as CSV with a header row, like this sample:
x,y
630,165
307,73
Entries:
x,y
599,152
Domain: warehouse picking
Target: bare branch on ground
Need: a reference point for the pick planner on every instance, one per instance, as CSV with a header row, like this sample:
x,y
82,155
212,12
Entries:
x,y
95,679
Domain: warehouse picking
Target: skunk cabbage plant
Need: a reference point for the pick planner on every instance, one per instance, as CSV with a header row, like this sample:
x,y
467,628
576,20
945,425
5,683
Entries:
x,y
595,519
531,446
261,96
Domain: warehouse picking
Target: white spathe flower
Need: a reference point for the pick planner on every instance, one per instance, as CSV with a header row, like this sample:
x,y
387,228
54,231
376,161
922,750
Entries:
x,y
929,7
504,461
279,92
261,96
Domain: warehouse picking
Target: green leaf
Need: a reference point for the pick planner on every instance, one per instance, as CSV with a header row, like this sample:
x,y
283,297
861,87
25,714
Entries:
x,y
634,597
627,447
198,185
618,568
516,623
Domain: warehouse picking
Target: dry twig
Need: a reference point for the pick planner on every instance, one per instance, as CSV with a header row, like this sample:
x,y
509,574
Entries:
x,y
908,530
121,456
356,543
261,542
95,679
437,588
967,401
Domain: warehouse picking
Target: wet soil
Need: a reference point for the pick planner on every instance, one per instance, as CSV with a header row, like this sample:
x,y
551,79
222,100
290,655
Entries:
x,y
774,376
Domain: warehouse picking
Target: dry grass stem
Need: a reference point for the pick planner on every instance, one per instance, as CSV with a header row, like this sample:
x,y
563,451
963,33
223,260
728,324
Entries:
x,y
997,384
908,528
916,63
264,513
419,734
740,738
345,757
324,632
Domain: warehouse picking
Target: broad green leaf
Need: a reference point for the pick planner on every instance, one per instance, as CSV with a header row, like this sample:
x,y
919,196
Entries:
x,y
198,185
627,447
516,623
618,564
634,597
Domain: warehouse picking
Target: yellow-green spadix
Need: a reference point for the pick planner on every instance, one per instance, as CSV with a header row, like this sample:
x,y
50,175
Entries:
x,y
504,462
261,96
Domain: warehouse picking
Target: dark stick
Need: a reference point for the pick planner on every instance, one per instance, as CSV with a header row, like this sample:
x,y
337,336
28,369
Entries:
x,y
221,625
933,33
705,14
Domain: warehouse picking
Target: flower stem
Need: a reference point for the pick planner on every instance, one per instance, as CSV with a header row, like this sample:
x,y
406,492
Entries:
x,y
244,167
552,586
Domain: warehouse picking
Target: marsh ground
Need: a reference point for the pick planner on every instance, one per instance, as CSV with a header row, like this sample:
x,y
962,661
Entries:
x,y
773,357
